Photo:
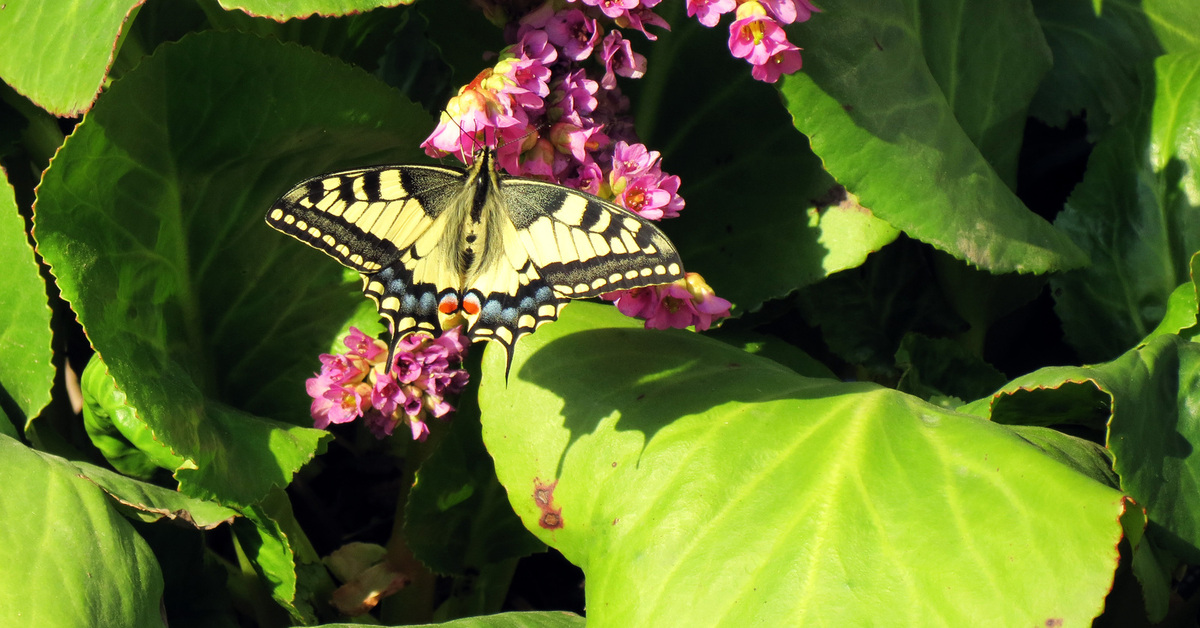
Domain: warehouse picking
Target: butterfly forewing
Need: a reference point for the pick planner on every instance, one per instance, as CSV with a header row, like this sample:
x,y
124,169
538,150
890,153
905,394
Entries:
x,y
439,246
585,246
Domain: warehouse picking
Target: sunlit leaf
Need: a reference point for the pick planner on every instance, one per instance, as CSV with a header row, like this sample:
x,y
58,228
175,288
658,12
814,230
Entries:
x,y
646,456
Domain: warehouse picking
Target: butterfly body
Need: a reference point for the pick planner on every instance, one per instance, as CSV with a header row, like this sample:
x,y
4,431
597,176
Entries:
x,y
440,246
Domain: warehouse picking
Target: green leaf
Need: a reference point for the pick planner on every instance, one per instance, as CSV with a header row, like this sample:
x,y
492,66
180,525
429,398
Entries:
x,y
941,366
151,218
865,312
773,348
921,119
1085,456
1181,305
58,53
544,619
647,458
304,8
70,558
1101,60
26,373
1150,566
1176,24
457,519
152,503
281,554
113,425
1133,216
762,217
1148,400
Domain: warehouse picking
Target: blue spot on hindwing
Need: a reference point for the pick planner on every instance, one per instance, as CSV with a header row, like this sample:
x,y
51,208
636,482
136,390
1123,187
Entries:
x,y
428,304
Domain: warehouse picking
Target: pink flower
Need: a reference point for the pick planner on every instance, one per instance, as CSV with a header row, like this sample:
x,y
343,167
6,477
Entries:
x,y
579,143
574,33
784,62
640,18
679,305
483,112
587,177
344,368
709,12
574,97
424,372
362,345
756,37
619,58
788,11
652,196
612,8
346,404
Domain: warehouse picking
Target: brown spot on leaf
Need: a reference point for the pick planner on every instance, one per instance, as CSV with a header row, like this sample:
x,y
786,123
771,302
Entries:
x,y
543,496
1054,622
543,493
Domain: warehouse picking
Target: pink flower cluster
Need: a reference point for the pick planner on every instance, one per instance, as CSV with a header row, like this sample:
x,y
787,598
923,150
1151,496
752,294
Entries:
x,y
684,303
356,384
756,34
548,118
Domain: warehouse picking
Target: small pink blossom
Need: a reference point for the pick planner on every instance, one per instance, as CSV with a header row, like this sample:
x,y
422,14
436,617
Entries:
x,y
612,8
684,303
783,62
756,37
574,98
789,11
424,371
641,17
652,196
344,368
364,346
574,33
588,178
577,142
619,58
709,12
347,403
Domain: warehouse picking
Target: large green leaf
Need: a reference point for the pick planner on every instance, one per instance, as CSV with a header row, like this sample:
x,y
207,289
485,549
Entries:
x,y
151,217
115,428
1147,401
1134,215
917,108
1180,317
698,485
25,370
304,8
1176,24
763,218
57,53
152,503
1100,61
457,519
70,559
545,619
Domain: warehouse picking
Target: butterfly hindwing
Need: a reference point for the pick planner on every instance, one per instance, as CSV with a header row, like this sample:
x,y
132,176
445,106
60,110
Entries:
x,y
441,246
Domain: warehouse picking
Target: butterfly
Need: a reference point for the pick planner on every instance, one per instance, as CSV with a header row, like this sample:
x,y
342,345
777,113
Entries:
x,y
440,246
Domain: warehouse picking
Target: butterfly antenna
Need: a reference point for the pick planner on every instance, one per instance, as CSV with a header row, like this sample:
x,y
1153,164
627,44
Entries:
x,y
474,140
